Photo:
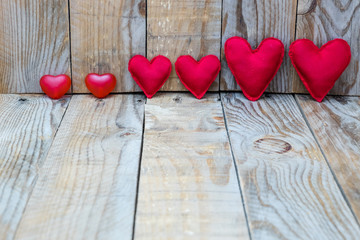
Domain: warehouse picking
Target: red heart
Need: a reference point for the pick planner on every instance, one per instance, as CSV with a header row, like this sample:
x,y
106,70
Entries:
x,y
320,68
197,76
150,76
100,85
254,69
55,86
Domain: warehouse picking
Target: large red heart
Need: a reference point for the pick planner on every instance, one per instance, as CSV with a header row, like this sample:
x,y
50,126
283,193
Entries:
x,y
100,85
320,68
254,69
197,76
55,86
150,76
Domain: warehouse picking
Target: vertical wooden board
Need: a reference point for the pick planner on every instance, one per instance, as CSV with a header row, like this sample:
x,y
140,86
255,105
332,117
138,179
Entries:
x,y
34,41
188,187
288,189
322,21
183,27
104,36
336,125
27,128
256,20
87,187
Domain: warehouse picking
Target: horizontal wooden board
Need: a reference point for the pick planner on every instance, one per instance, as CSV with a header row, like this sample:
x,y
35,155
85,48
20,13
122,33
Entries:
x,y
256,20
34,41
28,124
322,21
336,125
188,185
288,189
87,186
104,36
183,27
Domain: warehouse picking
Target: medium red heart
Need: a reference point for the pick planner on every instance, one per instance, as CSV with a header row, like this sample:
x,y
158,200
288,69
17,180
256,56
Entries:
x,y
100,85
150,76
320,68
55,86
197,76
254,69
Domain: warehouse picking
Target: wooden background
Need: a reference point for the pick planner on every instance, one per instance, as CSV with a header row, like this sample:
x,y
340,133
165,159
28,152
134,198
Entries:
x,y
77,37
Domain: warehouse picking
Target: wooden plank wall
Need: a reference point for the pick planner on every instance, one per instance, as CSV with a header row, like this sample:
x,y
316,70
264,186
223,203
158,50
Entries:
x,y
34,37
34,40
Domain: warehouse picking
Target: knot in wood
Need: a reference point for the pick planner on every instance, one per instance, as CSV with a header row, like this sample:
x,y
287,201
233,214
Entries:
x,y
272,145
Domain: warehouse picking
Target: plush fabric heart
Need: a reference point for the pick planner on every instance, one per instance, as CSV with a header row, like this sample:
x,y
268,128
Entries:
x,y
197,76
254,69
100,85
55,86
150,76
320,68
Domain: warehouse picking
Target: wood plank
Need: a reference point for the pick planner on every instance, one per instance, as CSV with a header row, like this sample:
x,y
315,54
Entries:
x,y
183,27
256,20
104,36
188,186
34,41
87,186
27,127
336,125
289,191
322,21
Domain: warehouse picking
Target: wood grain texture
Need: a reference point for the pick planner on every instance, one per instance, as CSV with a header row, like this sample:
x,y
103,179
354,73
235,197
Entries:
x,y
183,27
322,21
27,128
336,125
256,20
188,185
104,36
288,189
86,188
34,41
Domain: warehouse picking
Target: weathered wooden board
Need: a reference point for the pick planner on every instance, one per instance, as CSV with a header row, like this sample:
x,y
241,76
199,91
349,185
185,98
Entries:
x,y
183,27
104,36
256,20
188,185
87,186
34,40
27,128
321,21
336,125
288,189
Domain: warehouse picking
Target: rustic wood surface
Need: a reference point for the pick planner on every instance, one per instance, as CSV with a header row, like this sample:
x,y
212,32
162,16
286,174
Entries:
x,y
288,189
34,37
188,186
27,128
183,27
336,125
255,21
104,36
34,41
87,186
322,21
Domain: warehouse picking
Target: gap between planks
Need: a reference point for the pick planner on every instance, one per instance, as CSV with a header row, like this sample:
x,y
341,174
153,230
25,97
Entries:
x,y
187,172
288,188
307,107
83,175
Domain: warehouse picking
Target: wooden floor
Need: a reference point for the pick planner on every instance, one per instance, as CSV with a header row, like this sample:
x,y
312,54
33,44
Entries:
x,y
174,167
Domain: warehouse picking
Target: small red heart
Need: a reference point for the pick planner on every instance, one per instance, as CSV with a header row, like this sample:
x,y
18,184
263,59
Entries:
x,y
150,76
254,69
197,76
100,85
55,86
320,68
